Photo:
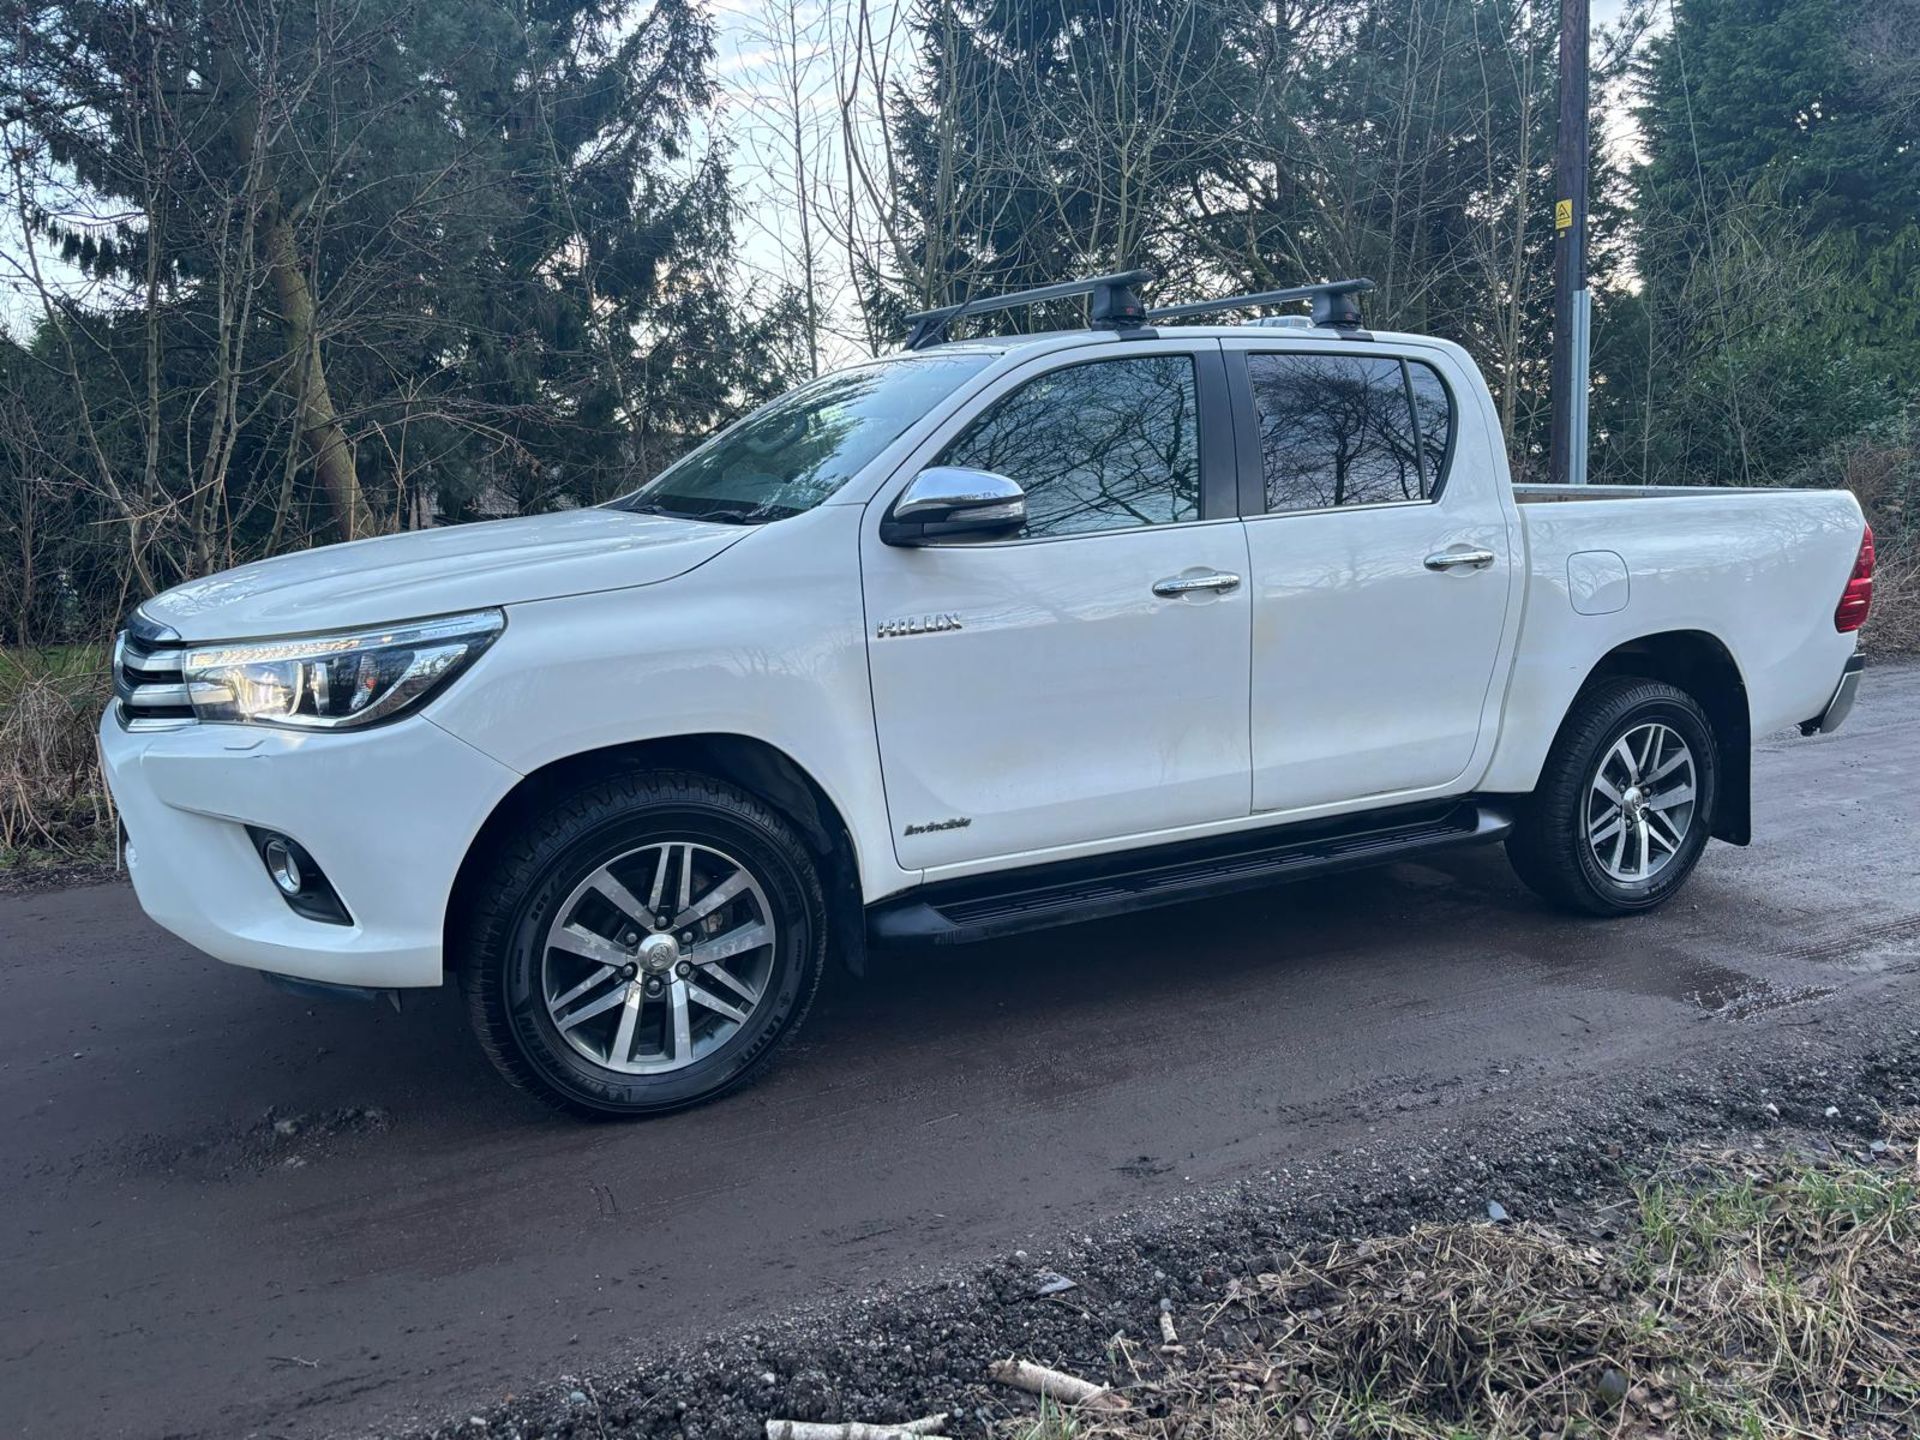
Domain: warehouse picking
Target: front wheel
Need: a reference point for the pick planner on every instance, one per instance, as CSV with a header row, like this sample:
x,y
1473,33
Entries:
x,y
1625,801
644,944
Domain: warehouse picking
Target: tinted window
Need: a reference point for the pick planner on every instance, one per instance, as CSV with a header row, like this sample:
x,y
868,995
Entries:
x,y
1341,430
1433,408
789,456
1101,446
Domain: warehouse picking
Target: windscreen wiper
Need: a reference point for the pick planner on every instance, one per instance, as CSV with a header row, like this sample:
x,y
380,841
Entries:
x,y
727,515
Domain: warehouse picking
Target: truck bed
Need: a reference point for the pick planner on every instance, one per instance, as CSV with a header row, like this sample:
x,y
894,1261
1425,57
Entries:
x,y
1751,574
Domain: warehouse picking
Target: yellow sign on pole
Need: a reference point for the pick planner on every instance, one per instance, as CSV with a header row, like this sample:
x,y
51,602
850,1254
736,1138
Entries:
x,y
1563,214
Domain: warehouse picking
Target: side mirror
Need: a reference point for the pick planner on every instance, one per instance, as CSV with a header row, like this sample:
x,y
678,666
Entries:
x,y
951,502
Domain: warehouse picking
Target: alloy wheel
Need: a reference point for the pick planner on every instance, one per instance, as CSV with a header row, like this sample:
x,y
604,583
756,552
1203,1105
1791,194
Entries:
x,y
1641,803
658,958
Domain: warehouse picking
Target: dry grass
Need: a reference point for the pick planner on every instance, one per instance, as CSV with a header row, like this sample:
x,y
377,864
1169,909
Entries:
x,y
1894,626
53,805
1751,1297
1884,473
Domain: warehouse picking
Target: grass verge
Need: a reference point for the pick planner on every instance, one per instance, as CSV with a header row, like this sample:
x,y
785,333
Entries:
x,y
1742,1295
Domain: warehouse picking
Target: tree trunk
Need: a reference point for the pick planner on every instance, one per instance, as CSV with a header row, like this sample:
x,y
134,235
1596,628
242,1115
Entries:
x,y
326,442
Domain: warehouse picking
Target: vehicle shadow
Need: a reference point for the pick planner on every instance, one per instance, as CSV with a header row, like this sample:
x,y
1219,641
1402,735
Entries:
x,y
1051,995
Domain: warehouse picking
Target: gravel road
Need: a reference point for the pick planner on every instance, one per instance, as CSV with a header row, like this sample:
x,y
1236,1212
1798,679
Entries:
x,y
229,1210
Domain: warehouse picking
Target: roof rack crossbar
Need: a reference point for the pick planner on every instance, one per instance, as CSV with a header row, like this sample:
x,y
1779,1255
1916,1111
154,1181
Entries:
x,y
1114,305
1334,303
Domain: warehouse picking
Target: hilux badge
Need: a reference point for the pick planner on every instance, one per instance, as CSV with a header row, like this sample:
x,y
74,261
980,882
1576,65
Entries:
x,y
916,625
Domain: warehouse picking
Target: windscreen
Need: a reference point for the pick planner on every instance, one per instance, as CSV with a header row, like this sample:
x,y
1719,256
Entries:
x,y
789,456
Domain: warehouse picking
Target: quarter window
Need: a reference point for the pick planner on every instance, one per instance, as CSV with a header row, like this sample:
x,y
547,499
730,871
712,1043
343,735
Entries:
x,y
1104,445
1348,429
1433,412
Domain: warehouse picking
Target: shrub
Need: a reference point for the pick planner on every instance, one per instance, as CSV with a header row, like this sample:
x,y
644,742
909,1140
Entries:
x,y
53,802
1882,468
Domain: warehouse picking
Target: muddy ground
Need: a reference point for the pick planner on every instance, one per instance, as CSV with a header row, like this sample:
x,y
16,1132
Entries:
x,y
1562,1159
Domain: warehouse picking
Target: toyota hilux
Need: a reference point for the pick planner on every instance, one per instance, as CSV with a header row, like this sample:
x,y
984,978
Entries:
x,y
989,634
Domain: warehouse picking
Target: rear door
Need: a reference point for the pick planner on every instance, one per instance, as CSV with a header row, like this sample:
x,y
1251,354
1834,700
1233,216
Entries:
x,y
1381,559
1065,689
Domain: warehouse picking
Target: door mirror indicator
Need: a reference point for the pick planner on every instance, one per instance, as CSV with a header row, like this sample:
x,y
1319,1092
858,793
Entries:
x,y
952,502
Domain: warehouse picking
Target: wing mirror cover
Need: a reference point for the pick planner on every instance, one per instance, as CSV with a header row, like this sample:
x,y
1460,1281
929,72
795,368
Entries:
x,y
952,502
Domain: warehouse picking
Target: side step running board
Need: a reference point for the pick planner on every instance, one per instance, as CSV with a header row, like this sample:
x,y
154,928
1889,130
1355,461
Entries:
x,y
1070,891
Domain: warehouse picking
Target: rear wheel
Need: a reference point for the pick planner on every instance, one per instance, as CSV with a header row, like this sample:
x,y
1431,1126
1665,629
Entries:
x,y
645,944
1625,801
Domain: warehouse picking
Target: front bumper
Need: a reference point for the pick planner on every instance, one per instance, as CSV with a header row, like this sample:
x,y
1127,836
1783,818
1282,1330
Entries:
x,y
1840,705
388,814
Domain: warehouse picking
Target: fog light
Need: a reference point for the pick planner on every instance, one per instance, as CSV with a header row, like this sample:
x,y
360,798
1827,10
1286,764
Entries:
x,y
298,877
282,865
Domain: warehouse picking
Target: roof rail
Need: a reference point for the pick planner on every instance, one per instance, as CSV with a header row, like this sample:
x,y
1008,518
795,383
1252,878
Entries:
x,y
1114,305
1335,304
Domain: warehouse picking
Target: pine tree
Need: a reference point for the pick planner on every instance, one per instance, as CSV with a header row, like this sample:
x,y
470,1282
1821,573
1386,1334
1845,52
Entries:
x,y
1776,222
1768,102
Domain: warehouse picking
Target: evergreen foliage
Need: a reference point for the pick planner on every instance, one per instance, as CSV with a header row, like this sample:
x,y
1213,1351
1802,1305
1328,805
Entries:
x,y
359,266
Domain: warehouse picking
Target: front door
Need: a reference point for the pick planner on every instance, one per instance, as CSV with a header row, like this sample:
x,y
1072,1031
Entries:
x,y
1065,687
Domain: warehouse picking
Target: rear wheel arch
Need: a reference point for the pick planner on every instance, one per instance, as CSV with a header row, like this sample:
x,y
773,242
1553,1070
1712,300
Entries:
x,y
754,765
1699,663
1614,825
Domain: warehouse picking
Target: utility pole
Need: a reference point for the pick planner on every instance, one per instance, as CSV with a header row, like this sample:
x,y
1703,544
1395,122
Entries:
x,y
1572,309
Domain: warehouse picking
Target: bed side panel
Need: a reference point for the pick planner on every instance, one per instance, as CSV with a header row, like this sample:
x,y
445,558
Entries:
x,y
1759,571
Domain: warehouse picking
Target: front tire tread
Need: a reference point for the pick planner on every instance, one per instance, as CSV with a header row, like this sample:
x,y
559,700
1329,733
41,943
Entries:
x,y
525,863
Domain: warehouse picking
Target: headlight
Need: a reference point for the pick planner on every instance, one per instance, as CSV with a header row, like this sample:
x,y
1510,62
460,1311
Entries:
x,y
334,682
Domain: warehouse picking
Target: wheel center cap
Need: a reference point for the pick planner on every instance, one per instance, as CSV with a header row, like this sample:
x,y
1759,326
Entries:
x,y
1634,800
659,953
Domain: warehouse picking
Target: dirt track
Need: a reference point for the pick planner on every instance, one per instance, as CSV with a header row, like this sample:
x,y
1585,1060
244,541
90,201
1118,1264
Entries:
x,y
424,1242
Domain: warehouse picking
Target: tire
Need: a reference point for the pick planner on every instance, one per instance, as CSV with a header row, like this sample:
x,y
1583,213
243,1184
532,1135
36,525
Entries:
x,y
610,1022
1603,743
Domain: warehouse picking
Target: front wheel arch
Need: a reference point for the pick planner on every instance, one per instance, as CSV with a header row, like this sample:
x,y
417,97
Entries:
x,y
756,766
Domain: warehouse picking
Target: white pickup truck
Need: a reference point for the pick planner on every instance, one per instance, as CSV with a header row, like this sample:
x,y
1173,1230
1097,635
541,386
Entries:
x,y
982,636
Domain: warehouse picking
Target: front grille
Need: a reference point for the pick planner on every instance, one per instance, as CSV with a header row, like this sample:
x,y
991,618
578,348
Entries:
x,y
147,681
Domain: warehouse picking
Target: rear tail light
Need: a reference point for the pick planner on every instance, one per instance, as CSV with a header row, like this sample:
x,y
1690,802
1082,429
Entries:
x,y
1857,599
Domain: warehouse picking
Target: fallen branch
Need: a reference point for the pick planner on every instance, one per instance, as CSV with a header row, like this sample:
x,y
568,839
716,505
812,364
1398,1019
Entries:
x,y
925,1428
1054,1385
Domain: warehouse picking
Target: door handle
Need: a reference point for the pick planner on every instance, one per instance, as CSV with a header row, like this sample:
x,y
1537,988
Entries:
x,y
1473,559
1175,586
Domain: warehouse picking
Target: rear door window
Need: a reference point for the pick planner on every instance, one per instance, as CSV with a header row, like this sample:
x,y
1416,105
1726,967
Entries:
x,y
1341,430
